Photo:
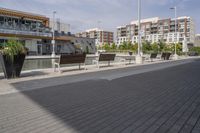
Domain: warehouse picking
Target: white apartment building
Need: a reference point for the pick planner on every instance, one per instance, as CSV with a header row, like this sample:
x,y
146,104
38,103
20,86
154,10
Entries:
x,y
156,29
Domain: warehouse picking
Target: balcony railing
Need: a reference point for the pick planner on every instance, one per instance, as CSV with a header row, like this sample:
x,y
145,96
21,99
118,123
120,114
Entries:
x,y
31,33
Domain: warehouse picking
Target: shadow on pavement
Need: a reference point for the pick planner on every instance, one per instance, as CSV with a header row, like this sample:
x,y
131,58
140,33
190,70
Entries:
x,y
114,106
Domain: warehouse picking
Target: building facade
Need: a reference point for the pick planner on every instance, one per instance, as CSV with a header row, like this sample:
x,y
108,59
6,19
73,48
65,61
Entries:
x,y
35,32
31,29
156,29
60,26
197,40
100,36
84,44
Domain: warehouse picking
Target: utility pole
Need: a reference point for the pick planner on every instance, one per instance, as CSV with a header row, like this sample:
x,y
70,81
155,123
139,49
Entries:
x,y
53,39
175,31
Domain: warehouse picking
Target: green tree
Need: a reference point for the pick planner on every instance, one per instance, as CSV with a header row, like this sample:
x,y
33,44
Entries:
x,y
106,46
195,49
135,48
178,48
146,47
155,47
129,45
113,46
168,48
123,46
161,45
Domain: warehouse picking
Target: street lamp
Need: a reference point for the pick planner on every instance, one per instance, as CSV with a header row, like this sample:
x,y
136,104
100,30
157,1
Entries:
x,y
99,34
139,56
175,31
53,40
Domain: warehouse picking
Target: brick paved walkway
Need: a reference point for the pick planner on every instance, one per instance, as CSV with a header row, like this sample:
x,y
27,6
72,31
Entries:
x,y
166,100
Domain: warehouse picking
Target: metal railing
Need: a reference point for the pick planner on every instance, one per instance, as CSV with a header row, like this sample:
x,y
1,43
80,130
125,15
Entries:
x,y
8,31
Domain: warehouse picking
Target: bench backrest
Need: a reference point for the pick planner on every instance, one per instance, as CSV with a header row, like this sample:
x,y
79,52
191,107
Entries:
x,y
107,57
70,59
167,56
163,55
153,55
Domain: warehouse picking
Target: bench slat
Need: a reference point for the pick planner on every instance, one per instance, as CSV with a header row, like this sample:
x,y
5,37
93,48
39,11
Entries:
x,y
107,57
70,59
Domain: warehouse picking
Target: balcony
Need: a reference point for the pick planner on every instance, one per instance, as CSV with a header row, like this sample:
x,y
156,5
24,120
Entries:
x,y
41,34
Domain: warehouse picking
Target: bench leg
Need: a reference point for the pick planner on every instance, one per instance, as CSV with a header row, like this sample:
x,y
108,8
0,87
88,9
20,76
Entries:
x,y
54,67
85,67
98,64
59,68
95,62
108,63
79,66
58,65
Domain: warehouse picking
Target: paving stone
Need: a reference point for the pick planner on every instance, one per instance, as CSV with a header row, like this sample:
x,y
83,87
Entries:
x,y
163,100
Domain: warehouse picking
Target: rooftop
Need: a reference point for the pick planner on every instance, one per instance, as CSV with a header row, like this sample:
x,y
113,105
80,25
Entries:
x,y
21,14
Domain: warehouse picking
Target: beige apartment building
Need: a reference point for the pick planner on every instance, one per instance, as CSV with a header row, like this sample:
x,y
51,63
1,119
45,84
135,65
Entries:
x,y
156,29
101,36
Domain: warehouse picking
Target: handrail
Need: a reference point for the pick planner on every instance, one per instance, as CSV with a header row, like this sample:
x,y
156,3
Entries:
x,y
25,33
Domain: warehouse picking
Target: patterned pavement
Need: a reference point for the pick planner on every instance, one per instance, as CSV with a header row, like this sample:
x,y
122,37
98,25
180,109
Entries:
x,y
162,101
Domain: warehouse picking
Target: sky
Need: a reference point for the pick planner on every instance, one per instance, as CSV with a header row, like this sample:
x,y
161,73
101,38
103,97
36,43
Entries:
x,y
105,14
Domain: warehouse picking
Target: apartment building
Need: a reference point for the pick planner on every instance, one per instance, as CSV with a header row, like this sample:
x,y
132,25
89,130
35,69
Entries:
x,y
101,36
197,40
156,29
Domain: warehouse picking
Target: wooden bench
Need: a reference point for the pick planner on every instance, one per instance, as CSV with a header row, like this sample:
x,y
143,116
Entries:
x,y
70,59
105,57
165,56
151,57
128,58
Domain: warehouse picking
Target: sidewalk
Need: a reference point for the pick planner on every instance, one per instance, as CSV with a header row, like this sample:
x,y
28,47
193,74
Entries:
x,y
44,78
153,98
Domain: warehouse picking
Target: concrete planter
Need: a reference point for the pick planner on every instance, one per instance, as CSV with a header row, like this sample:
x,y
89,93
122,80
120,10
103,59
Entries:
x,y
12,69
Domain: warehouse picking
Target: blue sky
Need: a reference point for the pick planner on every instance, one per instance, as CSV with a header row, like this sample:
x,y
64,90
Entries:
x,y
84,14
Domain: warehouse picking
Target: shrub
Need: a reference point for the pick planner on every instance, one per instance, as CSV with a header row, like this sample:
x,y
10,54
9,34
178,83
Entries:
x,y
12,48
195,49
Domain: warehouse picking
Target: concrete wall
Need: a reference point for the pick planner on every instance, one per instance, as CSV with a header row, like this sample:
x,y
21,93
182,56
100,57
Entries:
x,y
84,44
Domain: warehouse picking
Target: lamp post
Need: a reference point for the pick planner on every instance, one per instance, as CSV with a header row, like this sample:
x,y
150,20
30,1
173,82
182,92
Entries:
x,y
53,39
175,31
99,34
139,56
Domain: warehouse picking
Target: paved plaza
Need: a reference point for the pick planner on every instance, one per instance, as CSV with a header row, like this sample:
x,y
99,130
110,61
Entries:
x,y
157,98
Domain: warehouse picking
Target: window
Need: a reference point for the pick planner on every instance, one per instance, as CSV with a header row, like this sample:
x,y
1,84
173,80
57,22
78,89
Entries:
x,y
1,19
58,48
